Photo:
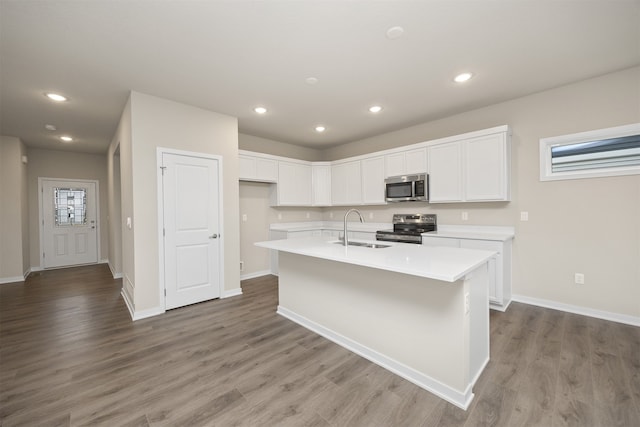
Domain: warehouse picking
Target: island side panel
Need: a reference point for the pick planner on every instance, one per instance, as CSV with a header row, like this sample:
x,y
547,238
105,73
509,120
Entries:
x,y
418,322
477,284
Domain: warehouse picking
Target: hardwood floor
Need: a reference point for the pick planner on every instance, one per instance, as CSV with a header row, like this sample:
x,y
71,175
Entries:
x,y
71,356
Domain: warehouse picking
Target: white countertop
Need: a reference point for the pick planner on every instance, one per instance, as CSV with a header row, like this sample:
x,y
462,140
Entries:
x,y
354,225
440,263
475,232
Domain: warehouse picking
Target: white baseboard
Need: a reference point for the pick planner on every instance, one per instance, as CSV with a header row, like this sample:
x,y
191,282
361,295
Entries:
x,y
499,307
13,279
460,399
128,303
585,311
143,314
227,293
255,274
113,273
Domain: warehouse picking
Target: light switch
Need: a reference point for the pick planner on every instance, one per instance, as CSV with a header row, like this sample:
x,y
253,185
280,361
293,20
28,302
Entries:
x,y
465,216
129,222
244,217
524,216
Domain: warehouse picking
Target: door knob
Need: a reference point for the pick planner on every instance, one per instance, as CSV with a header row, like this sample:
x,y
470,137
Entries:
x,y
213,236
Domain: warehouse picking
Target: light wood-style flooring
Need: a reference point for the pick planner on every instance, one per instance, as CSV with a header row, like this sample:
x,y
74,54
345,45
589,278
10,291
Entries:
x,y
71,356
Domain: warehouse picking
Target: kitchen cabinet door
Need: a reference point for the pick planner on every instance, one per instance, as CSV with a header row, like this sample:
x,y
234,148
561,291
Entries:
x,y
416,161
255,168
394,164
321,184
294,184
445,172
408,162
495,265
346,184
486,168
373,190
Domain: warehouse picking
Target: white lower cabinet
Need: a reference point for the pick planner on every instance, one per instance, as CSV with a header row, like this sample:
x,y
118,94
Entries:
x,y
499,267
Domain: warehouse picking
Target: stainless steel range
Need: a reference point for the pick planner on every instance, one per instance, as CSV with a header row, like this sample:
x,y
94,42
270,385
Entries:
x,y
408,228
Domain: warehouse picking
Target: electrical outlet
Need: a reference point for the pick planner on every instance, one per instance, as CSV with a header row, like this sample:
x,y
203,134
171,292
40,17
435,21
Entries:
x,y
465,216
331,215
308,215
370,215
244,217
579,279
241,265
279,216
524,216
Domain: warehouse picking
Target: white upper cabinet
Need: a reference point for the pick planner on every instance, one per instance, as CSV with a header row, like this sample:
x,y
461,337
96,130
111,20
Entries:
x,y
394,164
321,184
373,180
445,172
294,185
256,168
406,162
486,166
346,183
473,169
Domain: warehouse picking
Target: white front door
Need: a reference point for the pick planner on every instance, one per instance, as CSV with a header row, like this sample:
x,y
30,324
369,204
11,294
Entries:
x,y
69,222
192,241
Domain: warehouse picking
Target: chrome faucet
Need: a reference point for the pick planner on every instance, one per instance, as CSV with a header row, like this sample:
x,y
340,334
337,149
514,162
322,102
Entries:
x,y
346,236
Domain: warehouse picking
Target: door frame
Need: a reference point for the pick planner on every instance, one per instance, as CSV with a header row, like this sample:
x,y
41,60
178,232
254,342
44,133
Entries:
x,y
160,197
41,179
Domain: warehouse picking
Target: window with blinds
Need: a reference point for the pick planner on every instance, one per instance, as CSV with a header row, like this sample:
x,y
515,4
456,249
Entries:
x,y
605,152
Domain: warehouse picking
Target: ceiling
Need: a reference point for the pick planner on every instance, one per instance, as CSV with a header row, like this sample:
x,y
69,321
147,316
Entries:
x,y
231,56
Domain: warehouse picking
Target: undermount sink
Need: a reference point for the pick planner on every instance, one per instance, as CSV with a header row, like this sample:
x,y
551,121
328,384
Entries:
x,y
365,245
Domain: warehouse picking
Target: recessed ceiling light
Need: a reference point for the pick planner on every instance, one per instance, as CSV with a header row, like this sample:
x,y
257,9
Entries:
x,y
320,128
50,127
311,80
375,109
66,138
56,97
260,110
395,32
461,78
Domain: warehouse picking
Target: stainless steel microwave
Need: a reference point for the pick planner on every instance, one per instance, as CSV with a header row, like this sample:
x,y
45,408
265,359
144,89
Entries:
x,y
407,188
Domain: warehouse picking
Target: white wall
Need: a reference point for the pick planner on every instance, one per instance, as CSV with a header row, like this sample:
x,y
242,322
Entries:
x,y
254,202
255,143
156,122
64,165
14,226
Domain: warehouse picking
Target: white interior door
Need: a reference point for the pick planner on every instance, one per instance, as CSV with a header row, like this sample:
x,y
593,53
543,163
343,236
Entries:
x,y
191,213
69,223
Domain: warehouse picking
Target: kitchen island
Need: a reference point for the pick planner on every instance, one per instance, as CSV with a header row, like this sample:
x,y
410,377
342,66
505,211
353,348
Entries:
x,y
420,312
